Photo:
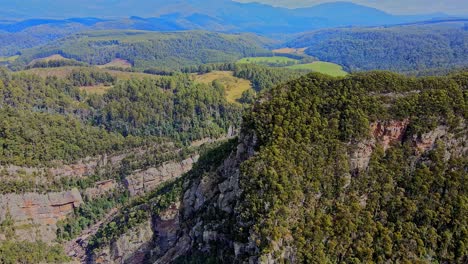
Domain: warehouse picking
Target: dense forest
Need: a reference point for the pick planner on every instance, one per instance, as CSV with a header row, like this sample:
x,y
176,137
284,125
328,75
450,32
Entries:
x,y
398,48
299,195
233,131
145,49
52,119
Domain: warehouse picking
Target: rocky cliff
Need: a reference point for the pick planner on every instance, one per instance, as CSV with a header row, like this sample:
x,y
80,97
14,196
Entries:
x,y
144,181
35,215
209,212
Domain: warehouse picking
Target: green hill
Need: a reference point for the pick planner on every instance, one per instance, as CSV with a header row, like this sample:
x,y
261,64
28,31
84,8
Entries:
x,y
143,49
398,48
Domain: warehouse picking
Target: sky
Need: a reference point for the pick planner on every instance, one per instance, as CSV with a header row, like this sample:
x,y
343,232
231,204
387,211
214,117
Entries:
x,y
452,7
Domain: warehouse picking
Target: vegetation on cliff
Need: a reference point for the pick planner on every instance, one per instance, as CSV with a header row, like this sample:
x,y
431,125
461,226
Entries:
x,y
298,191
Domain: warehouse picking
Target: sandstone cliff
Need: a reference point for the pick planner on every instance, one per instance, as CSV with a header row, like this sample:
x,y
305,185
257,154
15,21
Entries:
x,y
35,215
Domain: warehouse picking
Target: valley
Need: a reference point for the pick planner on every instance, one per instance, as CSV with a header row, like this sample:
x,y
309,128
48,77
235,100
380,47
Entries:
x,y
220,131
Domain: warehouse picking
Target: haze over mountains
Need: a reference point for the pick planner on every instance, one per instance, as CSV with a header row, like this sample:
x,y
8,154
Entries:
x,y
218,15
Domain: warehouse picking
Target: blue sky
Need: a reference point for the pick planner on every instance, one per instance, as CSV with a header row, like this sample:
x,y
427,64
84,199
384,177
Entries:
x,y
453,7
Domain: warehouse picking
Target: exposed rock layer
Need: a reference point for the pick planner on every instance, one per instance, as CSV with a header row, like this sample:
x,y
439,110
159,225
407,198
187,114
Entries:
x,y
35,215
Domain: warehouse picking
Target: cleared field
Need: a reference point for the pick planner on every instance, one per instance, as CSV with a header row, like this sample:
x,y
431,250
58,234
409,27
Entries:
x,y
322,67
8,59
234,86
120,63
63,72
299,51
97,89
278,60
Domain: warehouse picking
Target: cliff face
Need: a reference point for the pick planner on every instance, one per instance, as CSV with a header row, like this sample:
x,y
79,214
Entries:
x,y
141,182
36,215
129,248
209,212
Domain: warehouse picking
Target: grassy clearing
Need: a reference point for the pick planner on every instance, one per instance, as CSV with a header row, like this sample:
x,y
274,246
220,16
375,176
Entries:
x,y
322,67
276,61
9,59
97,89
234,86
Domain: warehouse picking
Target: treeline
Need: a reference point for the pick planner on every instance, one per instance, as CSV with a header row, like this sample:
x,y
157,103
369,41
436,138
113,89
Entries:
x,y
151,49
84,77
54,64
401,49
298,188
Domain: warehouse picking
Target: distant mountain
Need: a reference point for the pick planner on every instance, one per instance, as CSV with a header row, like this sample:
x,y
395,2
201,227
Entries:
x,y
349,14
220,15
45,24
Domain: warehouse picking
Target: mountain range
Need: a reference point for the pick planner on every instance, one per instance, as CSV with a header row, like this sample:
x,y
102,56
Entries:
x,y
217,15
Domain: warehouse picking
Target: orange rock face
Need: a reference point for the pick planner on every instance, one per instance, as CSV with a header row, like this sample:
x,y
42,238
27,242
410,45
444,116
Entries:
x,y
384,133
387,133
41,211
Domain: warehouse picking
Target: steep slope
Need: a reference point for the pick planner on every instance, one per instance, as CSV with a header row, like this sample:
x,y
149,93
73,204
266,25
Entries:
x,y
370,167
70,160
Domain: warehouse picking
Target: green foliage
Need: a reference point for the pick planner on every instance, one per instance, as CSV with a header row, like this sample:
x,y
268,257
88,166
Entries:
x,y
248,97
54,64
84,77
299,191
275,61
404,48
264,78
28,138
43,120
88,214
145,49
31,252
171,106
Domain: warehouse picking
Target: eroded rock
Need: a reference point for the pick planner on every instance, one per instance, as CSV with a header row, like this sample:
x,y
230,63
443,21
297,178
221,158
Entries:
x,y
35,215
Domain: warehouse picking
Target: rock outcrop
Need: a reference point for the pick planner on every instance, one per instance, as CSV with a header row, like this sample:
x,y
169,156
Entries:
x,y
208,209
381,133
139,243
101,188
131,248
35,215
147,180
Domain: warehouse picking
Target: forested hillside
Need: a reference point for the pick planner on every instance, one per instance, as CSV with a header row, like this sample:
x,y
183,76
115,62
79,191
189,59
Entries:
x,y
233,131
53,119
403,206
398,48
145,49
103,136
367,168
